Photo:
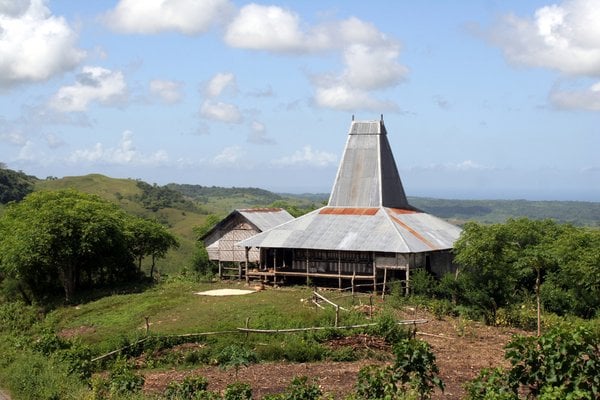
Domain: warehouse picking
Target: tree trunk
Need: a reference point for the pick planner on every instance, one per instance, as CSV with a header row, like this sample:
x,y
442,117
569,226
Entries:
x,y
67,278
152,267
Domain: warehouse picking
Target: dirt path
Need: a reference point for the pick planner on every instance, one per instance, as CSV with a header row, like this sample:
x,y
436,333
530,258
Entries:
x,y
462,349
4,395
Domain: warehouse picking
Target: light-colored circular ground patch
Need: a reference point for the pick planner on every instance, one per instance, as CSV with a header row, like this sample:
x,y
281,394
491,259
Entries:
x,y
225,292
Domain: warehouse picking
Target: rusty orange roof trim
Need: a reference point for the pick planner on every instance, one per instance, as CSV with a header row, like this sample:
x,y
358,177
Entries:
x,y
348,211
251,210
402,211
415,233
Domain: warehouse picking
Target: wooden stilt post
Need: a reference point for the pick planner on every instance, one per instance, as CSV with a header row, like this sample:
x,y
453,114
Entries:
x,y
220,271
339,271
384,283
247,261
374,276
307,270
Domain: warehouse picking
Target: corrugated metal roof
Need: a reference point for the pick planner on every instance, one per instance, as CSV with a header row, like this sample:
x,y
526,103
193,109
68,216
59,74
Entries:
x,y
367,210
266,218
385,231
367,176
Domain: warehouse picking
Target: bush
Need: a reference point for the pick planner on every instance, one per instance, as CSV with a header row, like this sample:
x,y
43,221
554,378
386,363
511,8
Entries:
x,y
186,389
238,391
387,327
299,389
422,283
563,363
303,351
123,380
414,373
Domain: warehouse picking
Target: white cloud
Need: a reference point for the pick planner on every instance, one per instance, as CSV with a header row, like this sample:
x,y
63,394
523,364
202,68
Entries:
x,y
229,156
168,91
189,17
308,156
370,58
563,37
373,67
93,84
343,97
258,134
270,28
588,99
219,111
123,154
219,83
34,44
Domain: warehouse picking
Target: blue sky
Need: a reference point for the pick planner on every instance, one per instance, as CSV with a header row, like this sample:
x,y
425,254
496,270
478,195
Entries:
x,y
481,99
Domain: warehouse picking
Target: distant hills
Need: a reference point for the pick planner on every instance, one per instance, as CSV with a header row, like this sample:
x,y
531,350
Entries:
x,y
198,201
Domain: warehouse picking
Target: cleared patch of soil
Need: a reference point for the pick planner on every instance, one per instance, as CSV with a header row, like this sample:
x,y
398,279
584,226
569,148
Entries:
x,y
462,349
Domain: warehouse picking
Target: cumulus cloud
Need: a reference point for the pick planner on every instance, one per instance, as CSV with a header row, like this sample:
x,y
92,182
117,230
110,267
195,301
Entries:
x,y
93,84
125,153
343,97
564,37
34,44
370,58
190,17
219,111
54,141
168,91
308,156
219,83
229,156
588,99
258,134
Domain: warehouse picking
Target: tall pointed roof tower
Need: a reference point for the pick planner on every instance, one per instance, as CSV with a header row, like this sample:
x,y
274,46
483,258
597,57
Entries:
x,y
367,209
367,176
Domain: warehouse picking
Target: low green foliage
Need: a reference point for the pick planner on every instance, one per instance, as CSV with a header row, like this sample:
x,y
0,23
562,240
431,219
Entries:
x,y
299,389
238,391
186,389
413,374
562,363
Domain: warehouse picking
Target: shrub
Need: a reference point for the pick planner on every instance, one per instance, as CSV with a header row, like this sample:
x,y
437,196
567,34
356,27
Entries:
x,y
123,380
186,389
422,283
238,391
388,329
303,351
236,356
563,363
414,373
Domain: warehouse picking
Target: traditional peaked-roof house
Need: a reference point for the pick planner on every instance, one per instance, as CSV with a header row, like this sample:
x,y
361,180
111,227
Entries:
x,y
238,225
367,232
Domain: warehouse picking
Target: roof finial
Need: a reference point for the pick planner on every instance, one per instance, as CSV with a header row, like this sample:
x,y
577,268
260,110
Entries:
x,y
352,117
381,117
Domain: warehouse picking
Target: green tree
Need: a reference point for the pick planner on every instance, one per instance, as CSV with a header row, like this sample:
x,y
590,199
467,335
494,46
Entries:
x,y
503,262
64,237
14,186
149,238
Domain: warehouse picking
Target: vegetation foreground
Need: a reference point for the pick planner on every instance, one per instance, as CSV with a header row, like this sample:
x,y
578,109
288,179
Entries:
x,y
98,300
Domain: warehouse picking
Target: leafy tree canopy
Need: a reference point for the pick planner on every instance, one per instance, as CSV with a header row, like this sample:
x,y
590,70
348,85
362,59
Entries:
x,y
14,185
67,238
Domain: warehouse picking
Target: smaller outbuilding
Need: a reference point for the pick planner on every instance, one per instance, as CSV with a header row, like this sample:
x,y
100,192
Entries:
x,y
240,224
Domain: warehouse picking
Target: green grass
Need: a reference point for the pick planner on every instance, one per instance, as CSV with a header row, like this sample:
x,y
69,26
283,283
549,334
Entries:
x,y
174,308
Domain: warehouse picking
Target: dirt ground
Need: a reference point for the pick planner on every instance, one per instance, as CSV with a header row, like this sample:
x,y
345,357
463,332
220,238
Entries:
x,y
462,349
